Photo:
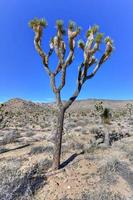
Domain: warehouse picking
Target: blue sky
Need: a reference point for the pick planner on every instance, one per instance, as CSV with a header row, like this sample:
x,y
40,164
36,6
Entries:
x,y
21,70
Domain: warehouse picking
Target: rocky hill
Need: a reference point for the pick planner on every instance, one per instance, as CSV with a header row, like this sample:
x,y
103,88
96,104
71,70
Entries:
x,y
18,113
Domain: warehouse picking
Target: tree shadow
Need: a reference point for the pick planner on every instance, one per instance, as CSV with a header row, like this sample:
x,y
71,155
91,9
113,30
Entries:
x,y
70,159
16,148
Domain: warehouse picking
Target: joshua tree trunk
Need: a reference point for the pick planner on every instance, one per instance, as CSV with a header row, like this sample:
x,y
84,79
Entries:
x,y
58,139
107,137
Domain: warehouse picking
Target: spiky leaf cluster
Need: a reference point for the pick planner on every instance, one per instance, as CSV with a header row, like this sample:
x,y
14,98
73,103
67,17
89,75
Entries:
x,y
71,25
99,37
108,39
59,26
99,106
35,22
106,115
81,44
94,29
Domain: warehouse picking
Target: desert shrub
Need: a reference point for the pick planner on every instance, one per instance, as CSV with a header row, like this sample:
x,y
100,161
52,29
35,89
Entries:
x,y
97,132
69,125
1,117
131,122
41,149
29,133
83,114
106,115
108,170
125,172
42,125
84,131
14,184
8,174
130,156
78,129
94,130
77,146
115,136
10,137
81,123
110,165
101,195
65,198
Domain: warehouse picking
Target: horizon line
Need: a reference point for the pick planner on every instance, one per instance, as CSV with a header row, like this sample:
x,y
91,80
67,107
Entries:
x,y
50,100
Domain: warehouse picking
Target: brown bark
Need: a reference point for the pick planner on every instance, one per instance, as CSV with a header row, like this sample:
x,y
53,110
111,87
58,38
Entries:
x,y
58,139
107,138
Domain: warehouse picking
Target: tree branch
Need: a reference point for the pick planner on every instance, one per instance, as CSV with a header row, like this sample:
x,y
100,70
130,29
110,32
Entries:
x,y
105,56
94,72
57,44
37,43
58,100
71,36
53,85
78,89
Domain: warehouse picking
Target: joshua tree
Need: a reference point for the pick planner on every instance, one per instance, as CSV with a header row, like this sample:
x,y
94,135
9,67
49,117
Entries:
x,y
129,108
99,107
105,116
89,48
1,114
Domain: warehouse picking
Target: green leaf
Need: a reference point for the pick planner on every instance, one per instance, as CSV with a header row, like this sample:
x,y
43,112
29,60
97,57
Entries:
x,y
59,23
81,43
43,22
99,37
95,29
71,25
36,22
108,39
88,32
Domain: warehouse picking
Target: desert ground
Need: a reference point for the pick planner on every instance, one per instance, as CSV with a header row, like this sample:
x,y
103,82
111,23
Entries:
x,y
90,169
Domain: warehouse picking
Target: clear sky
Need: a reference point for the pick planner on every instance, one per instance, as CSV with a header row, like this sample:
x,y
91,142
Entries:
x,y
21,71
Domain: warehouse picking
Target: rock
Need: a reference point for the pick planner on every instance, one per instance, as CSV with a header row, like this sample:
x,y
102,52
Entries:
x,y
99,141
103,145
87,147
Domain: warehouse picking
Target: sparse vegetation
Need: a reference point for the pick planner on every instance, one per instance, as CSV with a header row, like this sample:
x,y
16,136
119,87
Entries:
x,y
25,172
41,149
